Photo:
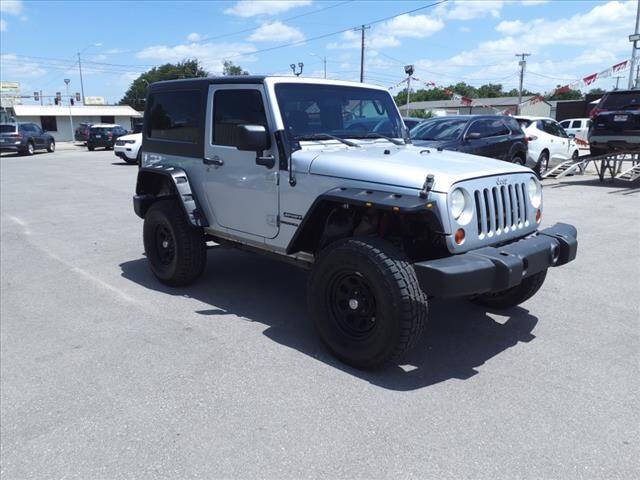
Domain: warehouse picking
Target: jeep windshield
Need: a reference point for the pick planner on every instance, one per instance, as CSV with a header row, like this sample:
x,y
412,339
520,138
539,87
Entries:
x,y
316,112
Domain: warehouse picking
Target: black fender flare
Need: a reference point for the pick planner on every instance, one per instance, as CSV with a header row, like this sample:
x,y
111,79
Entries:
x,y
167,181
376,199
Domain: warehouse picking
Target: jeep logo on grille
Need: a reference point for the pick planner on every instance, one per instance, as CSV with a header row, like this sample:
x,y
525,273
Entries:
x,y
501,181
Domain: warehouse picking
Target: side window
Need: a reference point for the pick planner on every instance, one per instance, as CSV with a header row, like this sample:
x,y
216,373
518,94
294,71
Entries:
x,y
565,124
574,124
233,108
174,116
540,126
513,125
548,127
489,128
49,123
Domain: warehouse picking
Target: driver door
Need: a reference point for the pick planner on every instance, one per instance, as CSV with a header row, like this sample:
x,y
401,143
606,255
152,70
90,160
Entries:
x,y
240,195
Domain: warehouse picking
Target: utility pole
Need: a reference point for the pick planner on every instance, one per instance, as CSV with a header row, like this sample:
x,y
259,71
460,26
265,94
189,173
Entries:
x,y
408,69
634,49
324,61
523,64
81,84
617,81
41,98
362,29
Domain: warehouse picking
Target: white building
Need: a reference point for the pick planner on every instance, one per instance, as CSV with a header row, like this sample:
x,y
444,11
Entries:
x,y
57,119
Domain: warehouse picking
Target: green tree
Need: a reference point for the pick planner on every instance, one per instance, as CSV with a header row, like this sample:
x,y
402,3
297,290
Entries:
x,y
597,91
228,68
137,92
492,90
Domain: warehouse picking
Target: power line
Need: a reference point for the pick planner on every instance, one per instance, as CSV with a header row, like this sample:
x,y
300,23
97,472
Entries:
x,y
319,37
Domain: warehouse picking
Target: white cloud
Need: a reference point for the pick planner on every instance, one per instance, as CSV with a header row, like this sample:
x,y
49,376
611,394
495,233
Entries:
x,y
194,37
251,8
529,3
414,26
211,55
276,32
465,10
11,7
3,25
112,51
15,69
510,27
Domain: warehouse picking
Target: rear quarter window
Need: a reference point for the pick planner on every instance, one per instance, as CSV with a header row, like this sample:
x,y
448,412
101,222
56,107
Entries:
x,y
7,128
174,116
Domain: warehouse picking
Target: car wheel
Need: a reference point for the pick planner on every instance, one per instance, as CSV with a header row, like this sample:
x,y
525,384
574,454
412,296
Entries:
x,y
30,148
519,159
91,148
575,155
514,295
366,302
543,164
51,146
175,249
130,161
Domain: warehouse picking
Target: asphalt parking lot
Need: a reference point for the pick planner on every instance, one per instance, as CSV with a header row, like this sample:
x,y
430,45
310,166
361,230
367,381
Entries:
x,y
105,373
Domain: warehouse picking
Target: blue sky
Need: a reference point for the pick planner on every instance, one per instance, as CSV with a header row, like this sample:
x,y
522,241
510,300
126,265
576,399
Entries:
x,y
472,41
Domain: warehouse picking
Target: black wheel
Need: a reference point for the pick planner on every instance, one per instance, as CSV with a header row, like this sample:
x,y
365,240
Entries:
x,y
30,149
543,163
575,155
175,249
51,146
366,303
90,147
519,159
515,295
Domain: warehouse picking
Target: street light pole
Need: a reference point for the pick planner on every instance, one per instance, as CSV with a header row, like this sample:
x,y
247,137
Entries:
x,y
81,83
67,81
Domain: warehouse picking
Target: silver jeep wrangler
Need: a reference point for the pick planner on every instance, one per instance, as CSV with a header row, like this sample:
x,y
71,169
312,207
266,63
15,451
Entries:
x,y
322,173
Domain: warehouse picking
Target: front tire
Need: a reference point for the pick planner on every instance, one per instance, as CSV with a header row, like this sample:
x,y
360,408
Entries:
x,y
30,149
543,164
366,302
175,249
514,295
51,146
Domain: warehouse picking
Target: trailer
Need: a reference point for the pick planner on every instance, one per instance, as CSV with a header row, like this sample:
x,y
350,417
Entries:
x,y
616,164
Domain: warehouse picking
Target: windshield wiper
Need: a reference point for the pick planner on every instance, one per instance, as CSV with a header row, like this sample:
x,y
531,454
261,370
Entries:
x,y
395,141
326,136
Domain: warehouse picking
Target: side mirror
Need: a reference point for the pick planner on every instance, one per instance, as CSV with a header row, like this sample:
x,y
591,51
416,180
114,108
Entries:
x,y
473,136
252,138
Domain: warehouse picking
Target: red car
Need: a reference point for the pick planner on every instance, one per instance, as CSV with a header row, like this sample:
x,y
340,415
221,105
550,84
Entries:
x,y
82,132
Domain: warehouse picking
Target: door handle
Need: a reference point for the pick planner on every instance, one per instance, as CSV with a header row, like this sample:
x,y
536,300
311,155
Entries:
x,y
215,160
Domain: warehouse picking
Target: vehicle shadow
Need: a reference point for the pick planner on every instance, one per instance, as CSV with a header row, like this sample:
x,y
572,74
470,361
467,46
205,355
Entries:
x,y
459,337
124,164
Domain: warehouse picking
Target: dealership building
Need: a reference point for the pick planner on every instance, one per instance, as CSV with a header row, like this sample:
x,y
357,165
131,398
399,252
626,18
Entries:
x,y
62,120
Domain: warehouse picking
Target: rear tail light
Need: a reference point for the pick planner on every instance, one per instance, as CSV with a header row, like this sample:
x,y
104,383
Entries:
x,y
595,112
16,135
531,138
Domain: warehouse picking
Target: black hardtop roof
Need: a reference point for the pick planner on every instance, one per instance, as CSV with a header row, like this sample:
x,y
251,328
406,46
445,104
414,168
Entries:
x,y
200,82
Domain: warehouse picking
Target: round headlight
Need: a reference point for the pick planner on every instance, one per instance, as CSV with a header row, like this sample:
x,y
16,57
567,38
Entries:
x,y
534,189
457,203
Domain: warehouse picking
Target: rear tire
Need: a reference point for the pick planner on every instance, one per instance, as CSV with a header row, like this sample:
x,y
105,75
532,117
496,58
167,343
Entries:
x,y
51,146
30,149
176,250
518,159
515,295
366,302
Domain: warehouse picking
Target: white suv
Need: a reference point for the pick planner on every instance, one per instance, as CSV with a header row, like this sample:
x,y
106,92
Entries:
x,y
549,143
127,147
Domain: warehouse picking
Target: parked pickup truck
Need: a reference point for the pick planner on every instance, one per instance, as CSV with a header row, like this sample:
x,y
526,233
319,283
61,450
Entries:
x,y
270,165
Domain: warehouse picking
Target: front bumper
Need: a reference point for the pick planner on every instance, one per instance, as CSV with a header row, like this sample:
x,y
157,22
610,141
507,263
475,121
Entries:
x,y
493,269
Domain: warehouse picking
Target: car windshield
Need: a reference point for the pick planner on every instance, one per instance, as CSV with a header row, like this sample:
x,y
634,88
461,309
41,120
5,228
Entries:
x,y
620,100
442,129
7,128
346,112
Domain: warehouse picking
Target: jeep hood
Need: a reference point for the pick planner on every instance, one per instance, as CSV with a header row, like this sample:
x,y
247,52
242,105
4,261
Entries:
x,y
402,166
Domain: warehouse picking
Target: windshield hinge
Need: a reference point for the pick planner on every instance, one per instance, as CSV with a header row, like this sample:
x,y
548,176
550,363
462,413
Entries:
x,y
428,185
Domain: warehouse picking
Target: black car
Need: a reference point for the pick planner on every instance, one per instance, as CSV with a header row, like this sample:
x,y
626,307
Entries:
x,y
495,136
25,138
615,123
104,135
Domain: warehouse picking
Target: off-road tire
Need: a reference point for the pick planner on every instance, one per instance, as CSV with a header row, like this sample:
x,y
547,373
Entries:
x,y
514,295
51,146
190,251
400,304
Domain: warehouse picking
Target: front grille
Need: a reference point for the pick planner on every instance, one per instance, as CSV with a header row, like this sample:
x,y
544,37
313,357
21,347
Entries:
x,y
119,142
500,209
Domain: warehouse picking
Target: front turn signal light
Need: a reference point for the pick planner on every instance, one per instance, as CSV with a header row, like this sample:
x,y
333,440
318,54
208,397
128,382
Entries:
x,y
459,236
538,216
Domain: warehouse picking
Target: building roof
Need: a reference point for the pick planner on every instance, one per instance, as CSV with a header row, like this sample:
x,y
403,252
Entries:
x,y
76,111
477,102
